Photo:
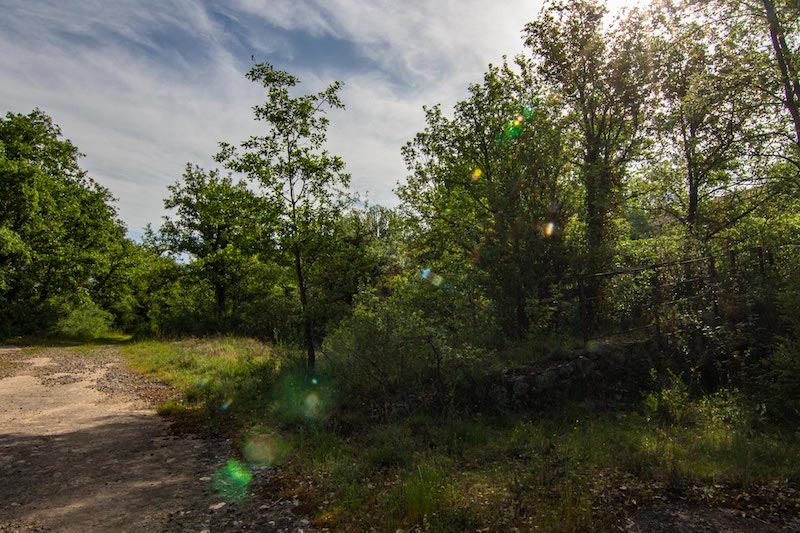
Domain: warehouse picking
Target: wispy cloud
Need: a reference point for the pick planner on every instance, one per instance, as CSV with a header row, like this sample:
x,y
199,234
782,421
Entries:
x,y
143,87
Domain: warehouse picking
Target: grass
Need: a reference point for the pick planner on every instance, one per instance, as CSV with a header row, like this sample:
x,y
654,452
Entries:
x,y
556,473
225,382
571,470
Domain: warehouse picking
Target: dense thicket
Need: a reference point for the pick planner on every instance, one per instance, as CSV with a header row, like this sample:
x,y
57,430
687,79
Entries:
x,y
62,248
623,180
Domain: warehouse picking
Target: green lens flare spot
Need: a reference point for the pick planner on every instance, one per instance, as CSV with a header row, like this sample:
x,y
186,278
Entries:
x,y
513,130
527,112
232,481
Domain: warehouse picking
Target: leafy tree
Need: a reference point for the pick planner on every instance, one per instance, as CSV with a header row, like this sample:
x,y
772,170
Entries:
x,y
767,35
299,181
707,122
784,31
221,225
59,234
367,254
603,78
486,192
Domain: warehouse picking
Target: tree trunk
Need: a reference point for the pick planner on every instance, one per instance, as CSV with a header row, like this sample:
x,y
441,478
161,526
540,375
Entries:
x,y
307,331
221,295
789,79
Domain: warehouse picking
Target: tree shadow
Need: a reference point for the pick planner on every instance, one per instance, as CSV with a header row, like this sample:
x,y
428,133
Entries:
x,y
126,473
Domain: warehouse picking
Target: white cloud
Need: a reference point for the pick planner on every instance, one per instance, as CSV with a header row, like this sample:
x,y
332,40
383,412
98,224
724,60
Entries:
x,y
140,110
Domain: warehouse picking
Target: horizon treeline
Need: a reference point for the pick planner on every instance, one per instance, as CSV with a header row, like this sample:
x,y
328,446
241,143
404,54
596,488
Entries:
x,y
669,133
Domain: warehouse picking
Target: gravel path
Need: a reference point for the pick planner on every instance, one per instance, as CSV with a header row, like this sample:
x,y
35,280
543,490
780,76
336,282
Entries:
x,y
81,449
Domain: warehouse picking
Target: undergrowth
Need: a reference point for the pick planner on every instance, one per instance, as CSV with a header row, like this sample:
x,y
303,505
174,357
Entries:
x,y
570,470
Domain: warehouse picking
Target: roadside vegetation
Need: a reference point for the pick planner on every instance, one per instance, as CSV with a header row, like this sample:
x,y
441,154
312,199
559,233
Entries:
x,y
583,466
586,302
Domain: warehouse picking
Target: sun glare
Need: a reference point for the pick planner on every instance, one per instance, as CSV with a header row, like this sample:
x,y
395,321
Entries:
x,y
615,6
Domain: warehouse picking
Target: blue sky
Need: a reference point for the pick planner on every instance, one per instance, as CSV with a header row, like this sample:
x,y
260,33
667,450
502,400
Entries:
x,y
142,87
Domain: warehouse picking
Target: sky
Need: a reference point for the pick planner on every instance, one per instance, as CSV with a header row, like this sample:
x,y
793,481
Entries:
x,y
143,87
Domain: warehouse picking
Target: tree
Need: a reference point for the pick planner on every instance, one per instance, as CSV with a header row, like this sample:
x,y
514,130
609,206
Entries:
x,y
486,192
782,20
768,36
603,77
367,254
222,226
706,121
59,233
300,182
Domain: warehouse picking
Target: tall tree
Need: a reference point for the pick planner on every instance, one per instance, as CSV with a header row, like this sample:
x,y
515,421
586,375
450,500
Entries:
x,y
706,121
768,33
221,225
603,77
58,229
299,181
784,31
485,189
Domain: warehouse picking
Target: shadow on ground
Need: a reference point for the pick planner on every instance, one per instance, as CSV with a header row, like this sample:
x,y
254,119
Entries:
x,y
122,474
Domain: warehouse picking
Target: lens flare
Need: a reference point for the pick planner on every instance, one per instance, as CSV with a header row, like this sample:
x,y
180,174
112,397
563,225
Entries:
x,y
435,279
527,112
476,174
224,407
232,481
264,449
513,130
549,228
312,404
314,381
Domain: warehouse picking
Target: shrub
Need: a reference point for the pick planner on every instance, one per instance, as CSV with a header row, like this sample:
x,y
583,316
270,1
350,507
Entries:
x,y
778,383
401,353
669,405
85,322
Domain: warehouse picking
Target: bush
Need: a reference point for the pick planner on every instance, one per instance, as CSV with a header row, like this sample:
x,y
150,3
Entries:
x,y
84,322
778,383
400,353
669,405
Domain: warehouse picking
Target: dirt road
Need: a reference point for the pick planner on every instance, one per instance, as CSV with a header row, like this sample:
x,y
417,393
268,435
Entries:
x,y
81,449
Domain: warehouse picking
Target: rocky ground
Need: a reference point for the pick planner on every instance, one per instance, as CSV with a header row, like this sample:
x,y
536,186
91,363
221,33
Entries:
x,y
82,449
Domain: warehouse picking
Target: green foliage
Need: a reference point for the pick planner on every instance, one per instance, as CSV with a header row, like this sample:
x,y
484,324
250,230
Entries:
x,y
778,382
488,196
85,322
601,74
60,239
669,405
225,382
223,227
300,182
410,350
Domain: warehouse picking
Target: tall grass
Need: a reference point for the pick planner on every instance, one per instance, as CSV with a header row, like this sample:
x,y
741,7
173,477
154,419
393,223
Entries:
x,y
225,381
570,470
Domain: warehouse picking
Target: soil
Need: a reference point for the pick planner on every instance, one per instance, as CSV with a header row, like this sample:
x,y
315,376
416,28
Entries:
x,y
82,449
687,518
